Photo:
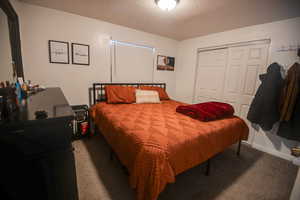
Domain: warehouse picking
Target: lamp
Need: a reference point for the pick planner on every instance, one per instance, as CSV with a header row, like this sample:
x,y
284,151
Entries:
x,y
167,4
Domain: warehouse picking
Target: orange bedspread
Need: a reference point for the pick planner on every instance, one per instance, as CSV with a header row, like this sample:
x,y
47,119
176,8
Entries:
x,y
156,143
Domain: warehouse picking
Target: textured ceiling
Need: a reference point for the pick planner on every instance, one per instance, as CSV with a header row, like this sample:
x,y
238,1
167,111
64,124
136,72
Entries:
x,y
190,18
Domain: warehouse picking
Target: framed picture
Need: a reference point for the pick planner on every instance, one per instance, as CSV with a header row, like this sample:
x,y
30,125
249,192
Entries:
x,y
58,52
80,54
165,63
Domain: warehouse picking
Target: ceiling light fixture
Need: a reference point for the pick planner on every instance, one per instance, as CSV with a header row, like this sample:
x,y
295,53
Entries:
x,y
167,4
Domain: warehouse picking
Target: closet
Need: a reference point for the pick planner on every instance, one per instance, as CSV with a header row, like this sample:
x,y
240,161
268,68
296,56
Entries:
x,y
230,74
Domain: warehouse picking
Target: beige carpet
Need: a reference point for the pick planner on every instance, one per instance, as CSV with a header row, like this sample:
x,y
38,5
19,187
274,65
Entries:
x,y
252,176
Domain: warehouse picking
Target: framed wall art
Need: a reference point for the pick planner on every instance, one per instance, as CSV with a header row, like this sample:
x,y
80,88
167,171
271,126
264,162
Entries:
x,y
80,54
58,52
165,63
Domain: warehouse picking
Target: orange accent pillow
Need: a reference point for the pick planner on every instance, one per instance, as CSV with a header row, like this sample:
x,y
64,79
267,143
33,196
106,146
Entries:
x,y
162,93
120,94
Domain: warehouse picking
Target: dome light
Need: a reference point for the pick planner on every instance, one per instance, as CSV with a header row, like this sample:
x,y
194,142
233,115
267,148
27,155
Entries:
x,y
167,4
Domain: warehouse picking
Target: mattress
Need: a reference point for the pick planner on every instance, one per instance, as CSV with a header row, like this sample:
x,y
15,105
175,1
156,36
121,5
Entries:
x,y
156,143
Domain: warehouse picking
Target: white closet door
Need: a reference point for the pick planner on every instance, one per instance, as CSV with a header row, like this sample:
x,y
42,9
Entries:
x,y
132,64
231,75
210,75
245,64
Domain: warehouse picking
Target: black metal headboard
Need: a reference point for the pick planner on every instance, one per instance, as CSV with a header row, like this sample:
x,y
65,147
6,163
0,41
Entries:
x,y
99,89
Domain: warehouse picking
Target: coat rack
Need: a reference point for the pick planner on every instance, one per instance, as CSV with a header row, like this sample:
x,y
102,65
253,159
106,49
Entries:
x,y
289,48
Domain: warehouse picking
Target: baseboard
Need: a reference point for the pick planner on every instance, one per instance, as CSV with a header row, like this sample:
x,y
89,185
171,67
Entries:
x,y
273,152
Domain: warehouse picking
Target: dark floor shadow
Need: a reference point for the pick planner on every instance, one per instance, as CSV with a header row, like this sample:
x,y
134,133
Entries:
x,y
109,171
226,168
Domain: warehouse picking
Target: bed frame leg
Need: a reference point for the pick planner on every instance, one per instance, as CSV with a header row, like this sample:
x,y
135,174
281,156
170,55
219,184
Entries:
x,y
92,127
207,168
111,154
239,148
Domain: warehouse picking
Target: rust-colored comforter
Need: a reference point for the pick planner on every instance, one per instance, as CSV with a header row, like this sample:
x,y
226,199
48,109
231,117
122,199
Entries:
x,y
156,143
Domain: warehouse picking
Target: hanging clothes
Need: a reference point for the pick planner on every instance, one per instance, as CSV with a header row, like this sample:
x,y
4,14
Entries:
x,y
291,129
290,105
290,92
264,107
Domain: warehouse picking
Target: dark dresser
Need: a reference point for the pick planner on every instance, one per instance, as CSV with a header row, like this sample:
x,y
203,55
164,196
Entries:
x,y
36,155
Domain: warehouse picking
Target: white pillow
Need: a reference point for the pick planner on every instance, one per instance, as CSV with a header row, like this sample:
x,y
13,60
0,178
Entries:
x,y
146,96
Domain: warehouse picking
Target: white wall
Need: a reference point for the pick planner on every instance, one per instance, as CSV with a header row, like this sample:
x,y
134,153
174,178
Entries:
x,y
6,70
38,25
286,32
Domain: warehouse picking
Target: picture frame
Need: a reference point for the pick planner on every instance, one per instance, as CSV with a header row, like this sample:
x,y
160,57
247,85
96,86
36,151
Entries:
x,y
165,63
58,52
80,54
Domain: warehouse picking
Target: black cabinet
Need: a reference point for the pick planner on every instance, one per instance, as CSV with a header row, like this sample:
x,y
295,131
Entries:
x,y
37,160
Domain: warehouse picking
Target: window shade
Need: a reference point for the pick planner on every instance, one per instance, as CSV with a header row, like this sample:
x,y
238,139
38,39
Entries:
x,y
132,63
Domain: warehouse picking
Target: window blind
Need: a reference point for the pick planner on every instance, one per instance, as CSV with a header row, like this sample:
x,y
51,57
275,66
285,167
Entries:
x,y
131,62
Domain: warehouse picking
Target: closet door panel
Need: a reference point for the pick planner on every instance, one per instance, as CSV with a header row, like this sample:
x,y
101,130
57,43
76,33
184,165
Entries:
x,y
235,73
258,55
255,64
251,78
252,61
210,75
232,80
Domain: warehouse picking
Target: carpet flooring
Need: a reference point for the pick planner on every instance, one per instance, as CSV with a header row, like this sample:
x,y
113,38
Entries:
x,y
252,176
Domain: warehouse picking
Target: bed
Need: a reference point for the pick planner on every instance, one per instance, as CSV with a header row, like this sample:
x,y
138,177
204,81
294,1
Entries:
x,y
155,143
